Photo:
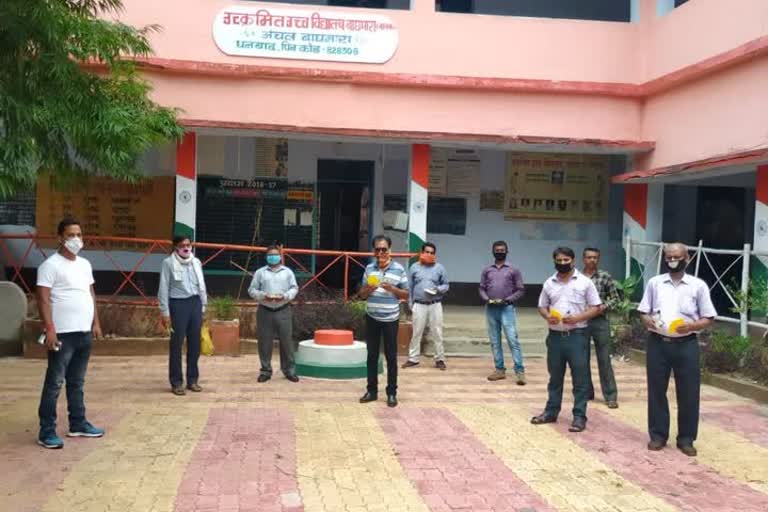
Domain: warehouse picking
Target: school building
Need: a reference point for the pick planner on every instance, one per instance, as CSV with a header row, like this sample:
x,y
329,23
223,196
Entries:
x,y
320,123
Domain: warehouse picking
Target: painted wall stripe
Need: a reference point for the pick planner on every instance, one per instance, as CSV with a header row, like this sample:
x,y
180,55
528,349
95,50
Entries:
x,y
636,203
185,156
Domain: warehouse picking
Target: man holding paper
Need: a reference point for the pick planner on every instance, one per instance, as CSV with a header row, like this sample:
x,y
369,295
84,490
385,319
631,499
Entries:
x,y
274,287
675,307
428,284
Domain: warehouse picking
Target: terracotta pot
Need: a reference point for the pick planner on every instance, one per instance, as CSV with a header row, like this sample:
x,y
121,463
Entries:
x,y
404,333
226,337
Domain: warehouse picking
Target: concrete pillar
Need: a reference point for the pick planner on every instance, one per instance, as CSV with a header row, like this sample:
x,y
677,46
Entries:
x,y
417,196
760,263
186,186
643,219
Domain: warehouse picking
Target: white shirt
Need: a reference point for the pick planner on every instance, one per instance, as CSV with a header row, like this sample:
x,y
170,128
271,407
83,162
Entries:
x,y
70,283
666,301
570,298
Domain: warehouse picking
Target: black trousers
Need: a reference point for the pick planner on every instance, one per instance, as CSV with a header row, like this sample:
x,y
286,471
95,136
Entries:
x,y
375,332
662,358
186,320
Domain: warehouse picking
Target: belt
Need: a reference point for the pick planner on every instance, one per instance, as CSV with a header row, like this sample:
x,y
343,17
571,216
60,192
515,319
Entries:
x,y
580,330
275,310
428,303
671,339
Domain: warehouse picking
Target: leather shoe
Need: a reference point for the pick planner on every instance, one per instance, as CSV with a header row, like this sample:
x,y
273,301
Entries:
x,y
542,419
687,449
613,404
178,391
656,444
263,378
368,397
409,364
391,401
195,387
578,425
292,378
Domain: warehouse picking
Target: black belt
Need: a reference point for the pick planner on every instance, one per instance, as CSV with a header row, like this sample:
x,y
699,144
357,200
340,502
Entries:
x,y
673,339
275,310
427,303
580,330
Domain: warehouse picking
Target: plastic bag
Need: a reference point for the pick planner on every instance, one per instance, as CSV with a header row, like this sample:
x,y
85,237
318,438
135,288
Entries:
x,y
206,343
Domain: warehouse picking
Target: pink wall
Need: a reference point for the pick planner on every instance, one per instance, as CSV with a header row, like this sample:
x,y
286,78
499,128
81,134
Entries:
x,y
314,104
430,42
698,30
719,115
710,116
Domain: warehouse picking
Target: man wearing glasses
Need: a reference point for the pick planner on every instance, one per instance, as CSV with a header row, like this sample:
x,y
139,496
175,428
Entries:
x,y
385,284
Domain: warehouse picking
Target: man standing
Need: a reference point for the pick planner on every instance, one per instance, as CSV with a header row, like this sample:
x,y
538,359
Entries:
x,y
428,285
675,307
274,287
501,285
599,328
567,302
67,306
385,284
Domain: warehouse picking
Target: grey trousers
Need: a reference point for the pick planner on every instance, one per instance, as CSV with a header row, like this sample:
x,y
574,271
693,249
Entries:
x,y
275,324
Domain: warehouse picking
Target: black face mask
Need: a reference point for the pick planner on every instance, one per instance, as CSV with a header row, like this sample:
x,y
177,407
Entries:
x,y
499,256
681,266
563,268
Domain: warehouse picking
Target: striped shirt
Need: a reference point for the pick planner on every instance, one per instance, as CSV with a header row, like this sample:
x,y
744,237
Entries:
x,y
382,305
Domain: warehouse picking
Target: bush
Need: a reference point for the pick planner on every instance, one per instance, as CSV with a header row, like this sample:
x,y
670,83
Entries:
x,y
223,308
629,336
725,352
308,318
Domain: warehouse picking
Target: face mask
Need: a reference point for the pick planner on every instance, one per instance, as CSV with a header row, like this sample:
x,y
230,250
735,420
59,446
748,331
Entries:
x,y
427,259
73,245
675,266
499,256
563,268
273,259
184,252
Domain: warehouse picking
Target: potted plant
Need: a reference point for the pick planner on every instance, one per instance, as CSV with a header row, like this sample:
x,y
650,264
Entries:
x,y
224,325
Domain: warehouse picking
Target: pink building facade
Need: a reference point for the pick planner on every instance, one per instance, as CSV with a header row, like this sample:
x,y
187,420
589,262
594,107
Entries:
x,y
407,119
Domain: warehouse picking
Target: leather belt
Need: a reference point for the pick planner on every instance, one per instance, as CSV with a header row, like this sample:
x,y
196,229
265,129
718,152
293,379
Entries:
x,y
675,339
275,310
579,330
428,303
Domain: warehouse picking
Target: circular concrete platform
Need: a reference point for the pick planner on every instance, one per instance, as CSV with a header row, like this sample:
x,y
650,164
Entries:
x,y
333,361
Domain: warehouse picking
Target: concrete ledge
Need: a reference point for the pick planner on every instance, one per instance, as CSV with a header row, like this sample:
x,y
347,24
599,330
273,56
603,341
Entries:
x,y
720,381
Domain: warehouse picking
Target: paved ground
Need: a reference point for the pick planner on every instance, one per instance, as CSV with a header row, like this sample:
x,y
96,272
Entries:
x,y
456,443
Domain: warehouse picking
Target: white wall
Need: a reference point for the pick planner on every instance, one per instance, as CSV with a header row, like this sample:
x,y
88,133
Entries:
x,y
531,242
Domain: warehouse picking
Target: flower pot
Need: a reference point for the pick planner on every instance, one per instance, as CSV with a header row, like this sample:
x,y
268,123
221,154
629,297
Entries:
x,y
404,333
226,337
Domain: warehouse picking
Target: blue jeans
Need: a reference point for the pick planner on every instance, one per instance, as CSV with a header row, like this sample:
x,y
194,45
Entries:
x,y
504,317
68,364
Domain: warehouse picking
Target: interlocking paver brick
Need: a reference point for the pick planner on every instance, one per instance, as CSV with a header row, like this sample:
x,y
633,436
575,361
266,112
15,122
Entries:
x,y
230,447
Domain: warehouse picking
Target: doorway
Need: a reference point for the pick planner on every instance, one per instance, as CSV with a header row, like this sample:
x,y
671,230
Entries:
x,y
721,222
344,192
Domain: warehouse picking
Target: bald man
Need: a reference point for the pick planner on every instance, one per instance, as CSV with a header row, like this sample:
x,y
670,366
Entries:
x,y
675,307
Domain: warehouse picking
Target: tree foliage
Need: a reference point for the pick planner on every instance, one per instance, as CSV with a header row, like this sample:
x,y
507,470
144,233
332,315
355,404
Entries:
x,y
71,99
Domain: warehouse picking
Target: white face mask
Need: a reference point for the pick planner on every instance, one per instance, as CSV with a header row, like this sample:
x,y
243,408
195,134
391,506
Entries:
x,y
74,245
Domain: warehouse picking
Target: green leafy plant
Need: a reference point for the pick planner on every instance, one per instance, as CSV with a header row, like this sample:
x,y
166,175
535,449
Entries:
x,y
59,113
623,310
754,299
357,307
726,352
223,308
